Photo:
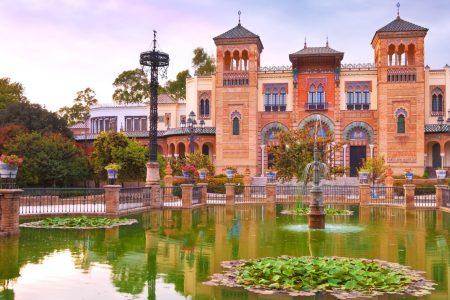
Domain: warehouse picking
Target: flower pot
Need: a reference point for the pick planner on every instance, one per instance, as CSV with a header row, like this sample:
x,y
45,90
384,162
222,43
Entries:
x,y
8,171
363,176
112,174
441,174
186,174
409,176
202,175
229,173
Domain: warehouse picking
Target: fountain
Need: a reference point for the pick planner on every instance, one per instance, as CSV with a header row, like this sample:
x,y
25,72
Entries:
x,y
316,216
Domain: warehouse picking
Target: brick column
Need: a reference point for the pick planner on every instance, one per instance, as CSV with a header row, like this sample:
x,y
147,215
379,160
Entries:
x,y
229,193
439,194
186,195
155,198
112,193
271,191
9,210
203,192
409,195
364,194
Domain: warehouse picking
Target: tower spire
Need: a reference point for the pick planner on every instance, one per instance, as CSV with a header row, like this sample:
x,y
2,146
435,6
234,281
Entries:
x,y
154,40
398,9
304,45
239,17
327,42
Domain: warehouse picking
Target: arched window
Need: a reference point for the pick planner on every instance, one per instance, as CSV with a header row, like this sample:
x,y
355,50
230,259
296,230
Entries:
x,y
202,107
267,105
206,107
283,99
401,124
320,94
275,99
437,102
236,126
312,94
205,149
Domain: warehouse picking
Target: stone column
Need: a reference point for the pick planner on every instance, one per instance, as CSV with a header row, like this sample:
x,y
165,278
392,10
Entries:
x,y
262,159
345,158
112,194
203,192
152,173
364,194
229,193
409,195
186,195
371,146
439,194
9,210
247,180
271,192
442,160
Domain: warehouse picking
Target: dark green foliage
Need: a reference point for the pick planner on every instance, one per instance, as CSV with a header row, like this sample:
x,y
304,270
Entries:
x,y
177,88
10,92
131,86
79,111
203,63
80,222
34,118
321,274
49,160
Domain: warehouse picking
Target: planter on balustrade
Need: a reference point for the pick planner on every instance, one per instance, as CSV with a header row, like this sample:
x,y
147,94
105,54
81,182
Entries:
x,y
229,173
202,174
441,174
409,176
8,171
363,176
186,174
112,171
271,176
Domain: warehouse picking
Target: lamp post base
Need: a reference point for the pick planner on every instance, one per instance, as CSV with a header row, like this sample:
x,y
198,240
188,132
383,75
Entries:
x,y
152,174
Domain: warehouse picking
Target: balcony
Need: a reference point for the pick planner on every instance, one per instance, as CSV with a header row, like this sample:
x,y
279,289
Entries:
x,y
235,78
316,106
274,108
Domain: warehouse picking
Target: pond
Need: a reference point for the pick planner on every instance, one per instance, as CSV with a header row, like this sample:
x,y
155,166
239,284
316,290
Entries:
x,y
168,254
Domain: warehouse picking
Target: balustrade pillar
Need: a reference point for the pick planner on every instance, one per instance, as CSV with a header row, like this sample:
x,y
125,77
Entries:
x,y
271,192
186,195
112,195
439,194
203,186
409,195
229,193
364,194
9,210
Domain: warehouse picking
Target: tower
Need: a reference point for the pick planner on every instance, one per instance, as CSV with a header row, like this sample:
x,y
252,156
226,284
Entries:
x,y
399,58
236,84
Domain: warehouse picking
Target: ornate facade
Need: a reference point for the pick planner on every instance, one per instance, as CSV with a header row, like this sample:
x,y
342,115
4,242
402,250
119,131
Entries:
x,y
395,107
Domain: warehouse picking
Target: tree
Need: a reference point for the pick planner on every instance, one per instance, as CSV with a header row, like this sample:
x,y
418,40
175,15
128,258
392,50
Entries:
x,y
10,92
295,151
34,117
177,88
203,63
9,132
200,161
49,160
131,87
376,166
79,111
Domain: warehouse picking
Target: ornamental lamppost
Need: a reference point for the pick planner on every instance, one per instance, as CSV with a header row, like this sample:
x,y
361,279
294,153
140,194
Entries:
x,y
191,125
152,61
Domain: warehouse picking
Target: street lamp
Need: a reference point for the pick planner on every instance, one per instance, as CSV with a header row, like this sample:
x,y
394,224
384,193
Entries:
x,y
153,60
191,125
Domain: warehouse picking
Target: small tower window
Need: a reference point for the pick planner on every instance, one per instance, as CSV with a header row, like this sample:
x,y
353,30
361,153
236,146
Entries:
x,y
236,126
401,124
312,94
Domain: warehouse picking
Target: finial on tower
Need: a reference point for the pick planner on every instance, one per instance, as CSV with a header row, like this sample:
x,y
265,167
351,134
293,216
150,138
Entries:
x,y
398,9
327,42
239,16
154,40
304,45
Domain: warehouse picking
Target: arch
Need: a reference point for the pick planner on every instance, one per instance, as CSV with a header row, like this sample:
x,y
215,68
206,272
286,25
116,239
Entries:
x,y
401,111
401,55
236,60
160,150
245,60
391,55
206,149
320,94
437,101
411,54
202,107
436,159
366,128
172,150
312,94
181,150
271,127
313,118
207,107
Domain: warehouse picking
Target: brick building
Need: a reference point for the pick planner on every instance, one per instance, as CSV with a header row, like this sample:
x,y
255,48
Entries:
x,y
395,107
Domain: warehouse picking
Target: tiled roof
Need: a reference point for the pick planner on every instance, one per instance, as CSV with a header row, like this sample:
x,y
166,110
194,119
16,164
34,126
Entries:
x,y
436,128
400,25
317,51
161,133
237,32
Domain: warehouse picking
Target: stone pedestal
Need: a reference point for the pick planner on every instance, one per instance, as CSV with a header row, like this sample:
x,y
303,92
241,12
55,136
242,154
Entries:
x,y
229,193
9,210
203,192
186,195
316,217
112,194
152,173
247,180
409,195
364,194
168,178
439,194
271,192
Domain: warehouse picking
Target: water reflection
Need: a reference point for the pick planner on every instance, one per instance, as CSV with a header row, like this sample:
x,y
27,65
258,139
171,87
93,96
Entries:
x,y
170,253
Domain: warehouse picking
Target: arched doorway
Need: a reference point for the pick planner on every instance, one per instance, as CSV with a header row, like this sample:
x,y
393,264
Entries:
x,y
181,150
359,136
436,160
269,137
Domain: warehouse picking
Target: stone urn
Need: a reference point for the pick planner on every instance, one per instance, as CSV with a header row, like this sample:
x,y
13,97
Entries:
x,y
8,171
441,174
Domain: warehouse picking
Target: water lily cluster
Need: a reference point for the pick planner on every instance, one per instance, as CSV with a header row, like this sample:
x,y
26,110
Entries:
x,y
79,222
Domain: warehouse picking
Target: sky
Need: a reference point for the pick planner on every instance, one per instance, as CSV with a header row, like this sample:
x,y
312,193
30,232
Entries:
x,y
58,47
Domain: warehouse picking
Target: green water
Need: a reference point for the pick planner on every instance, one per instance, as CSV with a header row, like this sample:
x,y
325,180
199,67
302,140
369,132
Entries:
x,y
170,253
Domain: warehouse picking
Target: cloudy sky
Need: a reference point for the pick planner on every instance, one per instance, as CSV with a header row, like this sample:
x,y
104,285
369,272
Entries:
x,y
58,47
